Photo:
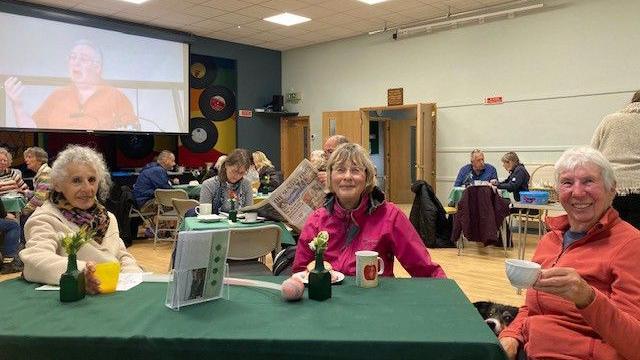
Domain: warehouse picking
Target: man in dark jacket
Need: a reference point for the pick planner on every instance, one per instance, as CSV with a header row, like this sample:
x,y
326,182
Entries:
x,y
153,176
429,218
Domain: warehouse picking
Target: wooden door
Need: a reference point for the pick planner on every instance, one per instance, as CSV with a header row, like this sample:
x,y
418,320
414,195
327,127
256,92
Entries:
x,y
400,161
426,144
347,123
294,142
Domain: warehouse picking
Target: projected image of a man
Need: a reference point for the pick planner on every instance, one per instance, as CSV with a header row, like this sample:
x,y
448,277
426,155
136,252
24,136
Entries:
x,y
87,103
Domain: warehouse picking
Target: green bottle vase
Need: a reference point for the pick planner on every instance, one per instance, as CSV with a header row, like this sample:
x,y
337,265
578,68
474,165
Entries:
x,y
319,280
233,215
72,286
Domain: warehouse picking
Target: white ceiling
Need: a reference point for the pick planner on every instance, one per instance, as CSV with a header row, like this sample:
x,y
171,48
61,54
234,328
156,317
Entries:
x,y
241,21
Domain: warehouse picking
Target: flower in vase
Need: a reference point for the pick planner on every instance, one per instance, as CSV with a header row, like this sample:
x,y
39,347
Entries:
x,y
320,242
233,198
73,242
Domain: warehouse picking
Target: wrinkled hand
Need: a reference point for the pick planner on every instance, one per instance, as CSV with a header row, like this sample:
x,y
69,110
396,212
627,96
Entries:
x,y
493,182
13,88
566,283
175,181
11,216
510,346
322,176
91,282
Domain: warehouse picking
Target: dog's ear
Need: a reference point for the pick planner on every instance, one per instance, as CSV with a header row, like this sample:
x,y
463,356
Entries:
x,y
483,307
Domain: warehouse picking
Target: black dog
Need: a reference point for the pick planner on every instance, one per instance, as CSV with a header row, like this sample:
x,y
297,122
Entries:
x,y
497,316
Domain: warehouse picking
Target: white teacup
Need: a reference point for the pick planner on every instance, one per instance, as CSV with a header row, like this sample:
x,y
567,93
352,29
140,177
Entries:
x,y
368,266
522,273
251,216
203,209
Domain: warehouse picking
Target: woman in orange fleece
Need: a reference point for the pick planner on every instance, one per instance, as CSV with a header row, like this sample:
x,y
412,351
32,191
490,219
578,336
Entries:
x,y
586,302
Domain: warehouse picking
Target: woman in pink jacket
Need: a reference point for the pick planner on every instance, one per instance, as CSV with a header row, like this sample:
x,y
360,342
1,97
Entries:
x,y
357,217
586,302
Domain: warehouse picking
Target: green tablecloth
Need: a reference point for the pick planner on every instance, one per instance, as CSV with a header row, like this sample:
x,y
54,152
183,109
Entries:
x,y
401,319
13,204
192,223
192,190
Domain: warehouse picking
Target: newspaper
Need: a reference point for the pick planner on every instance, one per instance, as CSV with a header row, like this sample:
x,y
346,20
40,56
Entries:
x,y
294,199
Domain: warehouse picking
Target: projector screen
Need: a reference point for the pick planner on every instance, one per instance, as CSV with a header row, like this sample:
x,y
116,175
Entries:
x,y
61,76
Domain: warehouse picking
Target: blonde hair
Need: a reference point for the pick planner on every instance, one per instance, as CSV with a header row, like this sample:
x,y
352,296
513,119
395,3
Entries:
x,y
260,160
356,155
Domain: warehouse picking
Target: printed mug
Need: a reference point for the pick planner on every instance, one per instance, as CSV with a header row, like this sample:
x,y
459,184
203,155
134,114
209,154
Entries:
x,y
368,266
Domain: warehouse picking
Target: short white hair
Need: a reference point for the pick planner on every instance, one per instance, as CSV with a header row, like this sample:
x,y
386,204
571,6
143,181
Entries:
x,y
581,156
75,154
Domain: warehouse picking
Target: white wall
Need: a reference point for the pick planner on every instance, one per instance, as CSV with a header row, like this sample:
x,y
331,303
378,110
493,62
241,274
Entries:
x,y
559,70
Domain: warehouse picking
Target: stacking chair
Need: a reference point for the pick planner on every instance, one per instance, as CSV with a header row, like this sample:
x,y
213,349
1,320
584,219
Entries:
x,y
182,206
248,247
134,212
166,214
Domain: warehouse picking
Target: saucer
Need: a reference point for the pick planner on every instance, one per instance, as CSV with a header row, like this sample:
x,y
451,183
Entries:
x,y
245,221
209,218
304,276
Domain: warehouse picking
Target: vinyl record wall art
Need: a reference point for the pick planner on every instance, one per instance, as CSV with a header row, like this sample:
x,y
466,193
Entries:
x,y
212,128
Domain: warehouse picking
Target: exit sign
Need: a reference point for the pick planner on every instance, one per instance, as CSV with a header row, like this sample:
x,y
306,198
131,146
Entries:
x,y
493,100
245,113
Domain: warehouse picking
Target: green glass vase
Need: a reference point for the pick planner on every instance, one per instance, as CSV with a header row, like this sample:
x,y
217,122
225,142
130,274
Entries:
x,y
233,215
72,286
319,280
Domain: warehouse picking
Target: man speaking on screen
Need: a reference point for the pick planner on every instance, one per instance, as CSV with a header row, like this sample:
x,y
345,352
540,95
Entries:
x,y
87,103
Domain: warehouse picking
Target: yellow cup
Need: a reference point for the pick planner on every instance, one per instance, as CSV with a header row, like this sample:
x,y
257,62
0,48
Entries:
x,y
107,273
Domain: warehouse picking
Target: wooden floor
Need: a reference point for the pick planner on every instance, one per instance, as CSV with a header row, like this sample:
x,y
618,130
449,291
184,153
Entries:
x,y
478,271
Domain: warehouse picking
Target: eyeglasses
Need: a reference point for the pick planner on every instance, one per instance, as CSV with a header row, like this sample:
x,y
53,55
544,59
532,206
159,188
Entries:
x,y
82,59
354,170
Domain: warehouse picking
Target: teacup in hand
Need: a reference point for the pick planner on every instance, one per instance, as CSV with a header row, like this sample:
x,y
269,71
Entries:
x,y
203,209
367,265
107,273
522,273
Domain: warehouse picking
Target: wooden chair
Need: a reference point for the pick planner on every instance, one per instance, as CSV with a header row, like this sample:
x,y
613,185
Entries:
x,y
166,213
248,247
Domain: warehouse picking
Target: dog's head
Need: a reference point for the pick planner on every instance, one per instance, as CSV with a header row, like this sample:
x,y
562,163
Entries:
x,y
497,316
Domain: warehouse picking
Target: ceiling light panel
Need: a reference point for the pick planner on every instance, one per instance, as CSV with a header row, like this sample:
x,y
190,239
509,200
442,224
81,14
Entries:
x,y
287,19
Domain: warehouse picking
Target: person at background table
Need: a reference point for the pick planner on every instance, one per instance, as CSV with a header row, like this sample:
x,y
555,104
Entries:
x,y
518,178
79,177
357,217
153,176
618,138
229,183
584,304
215,169
36,159
9,260
476,170
266,172
329,147
10,179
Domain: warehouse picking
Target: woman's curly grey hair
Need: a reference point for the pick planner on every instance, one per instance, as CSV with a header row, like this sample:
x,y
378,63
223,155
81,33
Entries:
x,y
75,154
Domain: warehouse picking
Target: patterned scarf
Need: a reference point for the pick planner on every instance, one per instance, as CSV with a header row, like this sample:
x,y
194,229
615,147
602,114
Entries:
x,y
95,218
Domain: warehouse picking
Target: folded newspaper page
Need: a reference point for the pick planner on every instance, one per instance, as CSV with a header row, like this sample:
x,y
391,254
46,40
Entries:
x,y
294,199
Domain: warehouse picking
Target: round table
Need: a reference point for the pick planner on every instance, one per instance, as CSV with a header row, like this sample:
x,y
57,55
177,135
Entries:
x,y
13,204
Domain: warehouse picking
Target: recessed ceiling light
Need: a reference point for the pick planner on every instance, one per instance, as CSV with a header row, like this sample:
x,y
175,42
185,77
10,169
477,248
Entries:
x,y
287,19
371,2
135,1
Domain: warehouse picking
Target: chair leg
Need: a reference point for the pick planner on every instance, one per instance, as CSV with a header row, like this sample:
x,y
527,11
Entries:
x,y
460,244
155,233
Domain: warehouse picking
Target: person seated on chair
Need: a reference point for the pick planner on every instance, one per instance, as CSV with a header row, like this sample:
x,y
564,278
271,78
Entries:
x,y
269,180
229,189
518,178
36,159
79,176
153,176
215,169
584,304
476,170
9,260
330,145
357,217
10,179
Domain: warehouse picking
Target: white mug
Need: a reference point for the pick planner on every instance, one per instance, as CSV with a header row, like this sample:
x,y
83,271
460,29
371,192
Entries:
x,y
367,265
203,209
251,216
